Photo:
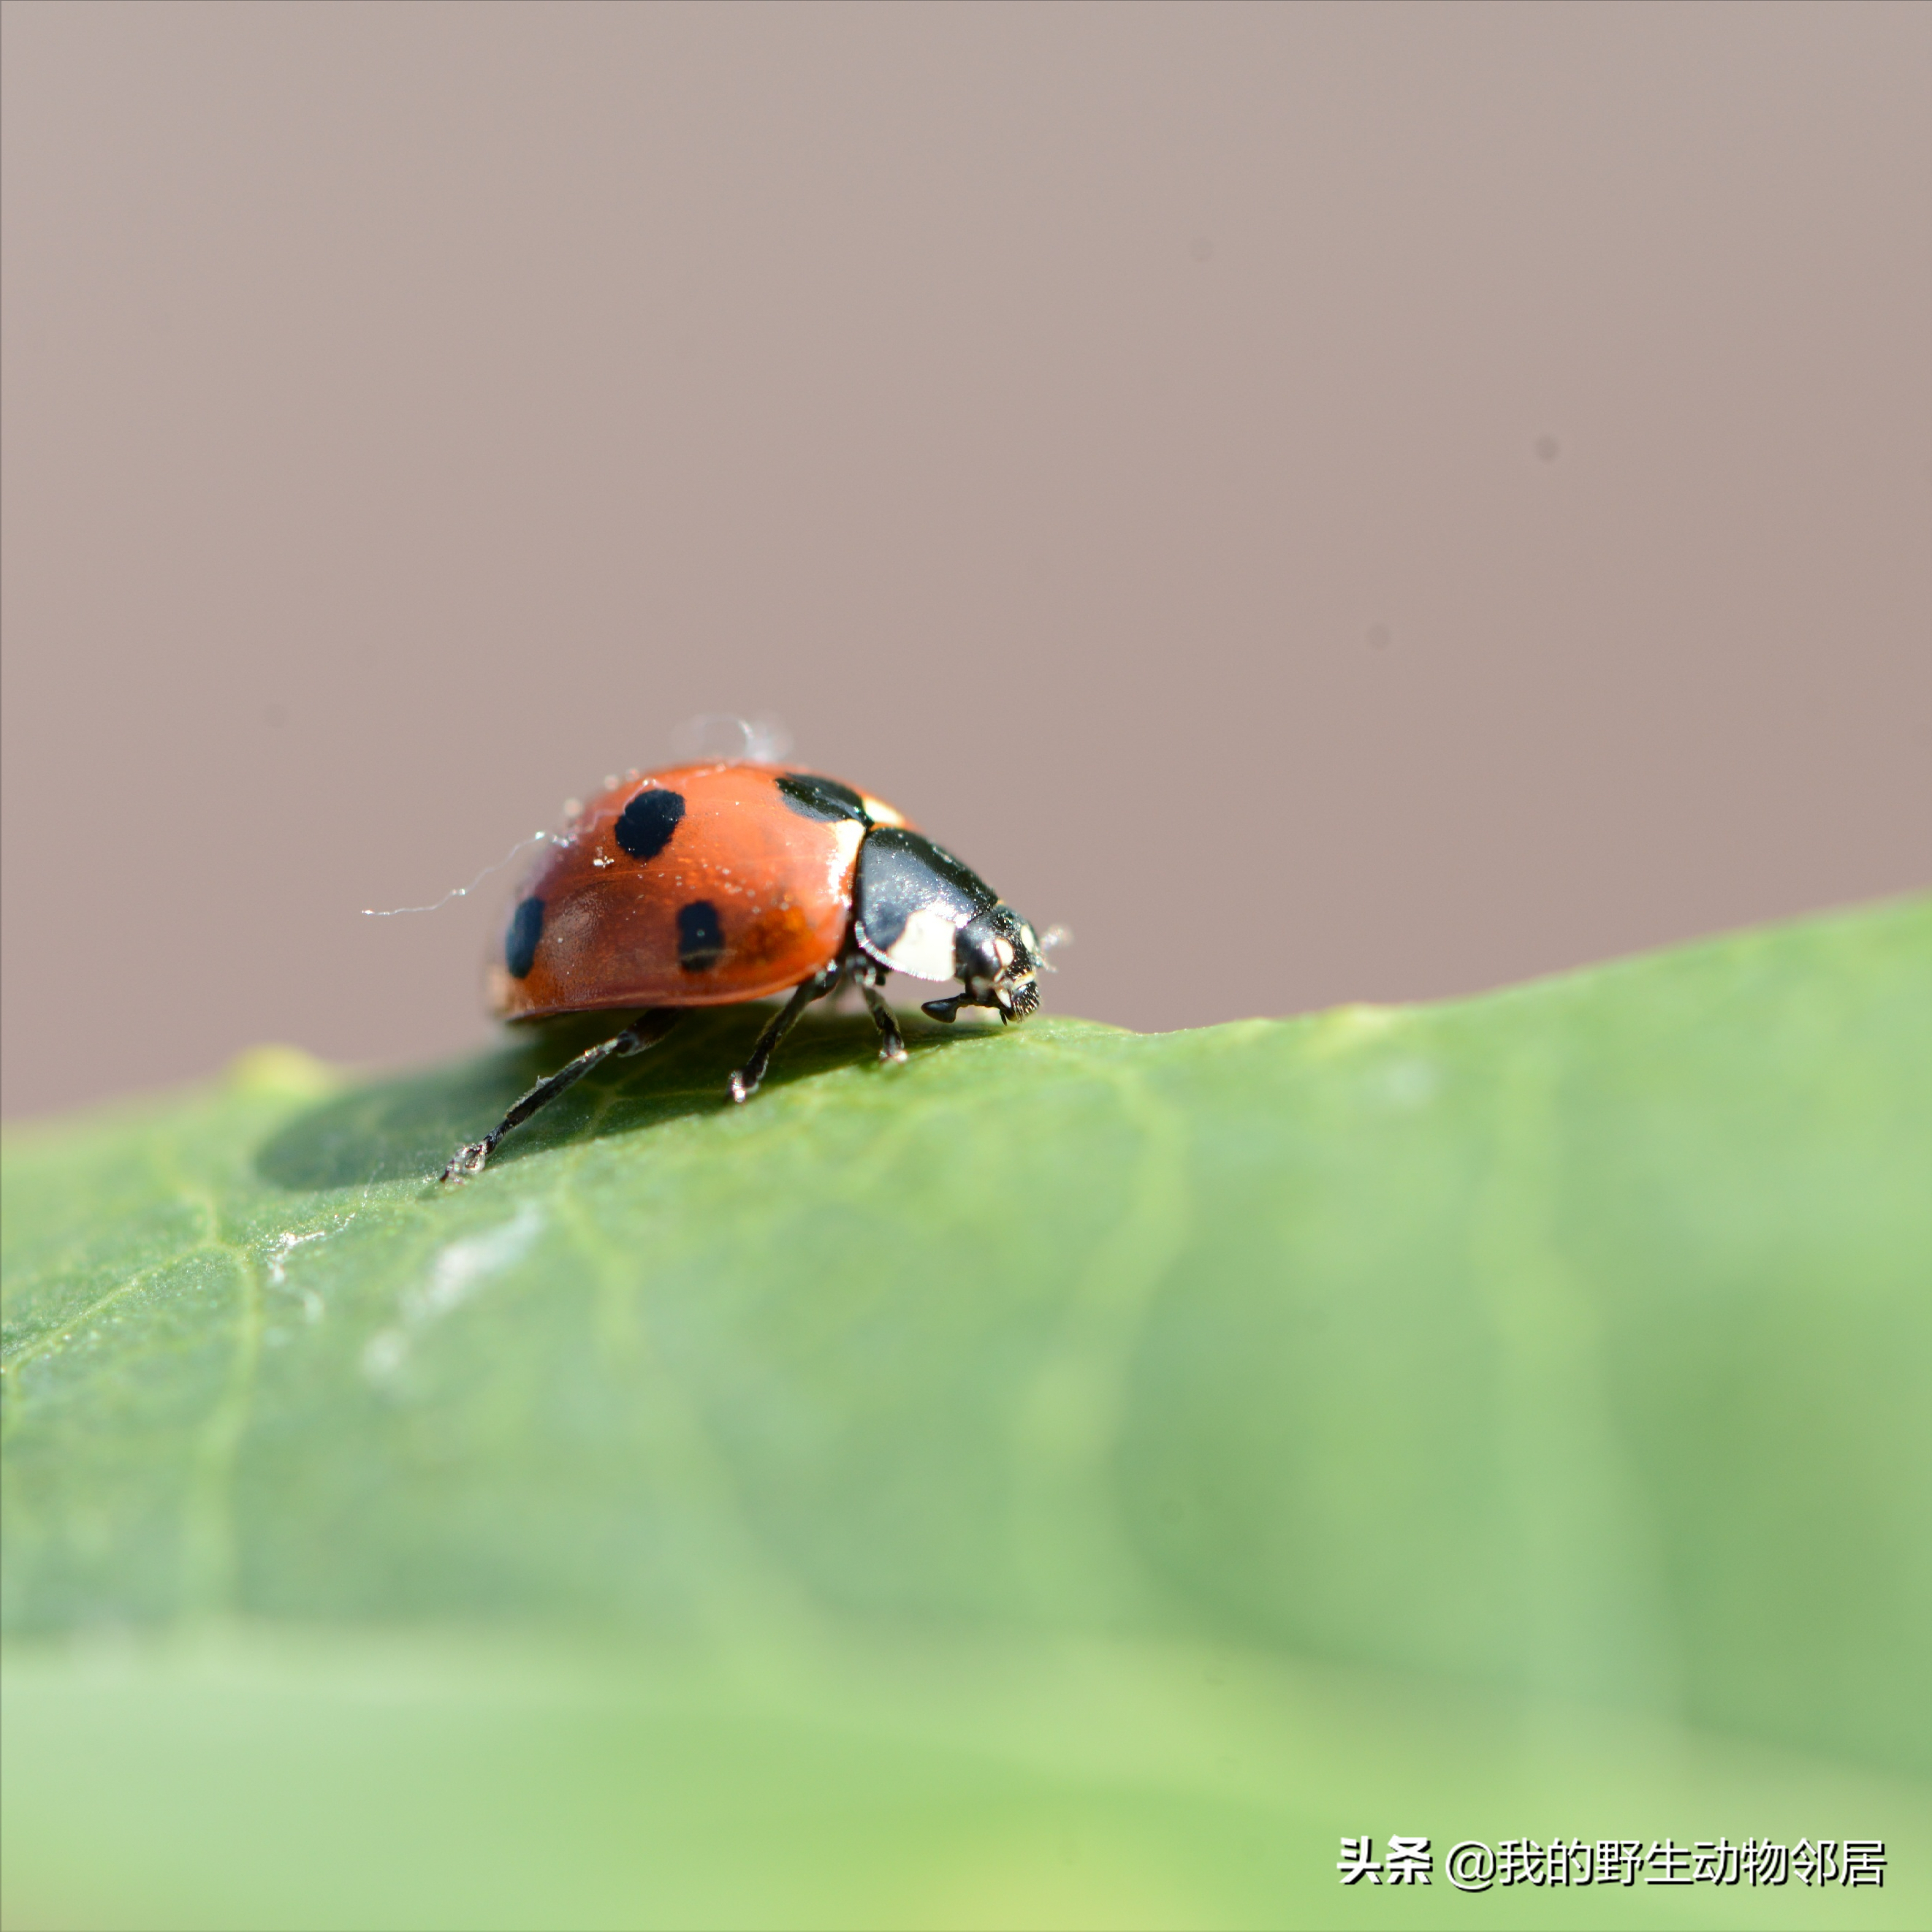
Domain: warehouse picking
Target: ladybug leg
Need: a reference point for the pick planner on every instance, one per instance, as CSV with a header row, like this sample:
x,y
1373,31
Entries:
x,y
647,1029
744,1083
892,1047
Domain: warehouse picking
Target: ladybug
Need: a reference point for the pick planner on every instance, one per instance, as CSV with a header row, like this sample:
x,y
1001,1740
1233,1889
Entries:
x,y
707,885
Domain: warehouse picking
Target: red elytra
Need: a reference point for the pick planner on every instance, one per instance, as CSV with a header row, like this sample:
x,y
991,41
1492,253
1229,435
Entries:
x,y
615,925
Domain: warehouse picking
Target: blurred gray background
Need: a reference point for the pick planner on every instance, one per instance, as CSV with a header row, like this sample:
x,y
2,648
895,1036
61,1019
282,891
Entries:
x,y
1329,502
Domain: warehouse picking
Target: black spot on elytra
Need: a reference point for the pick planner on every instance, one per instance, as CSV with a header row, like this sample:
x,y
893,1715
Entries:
x,y
520,943
821,798
645,825
700,938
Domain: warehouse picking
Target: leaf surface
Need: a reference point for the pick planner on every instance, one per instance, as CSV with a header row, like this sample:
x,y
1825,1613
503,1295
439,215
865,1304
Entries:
x,y
1070,1478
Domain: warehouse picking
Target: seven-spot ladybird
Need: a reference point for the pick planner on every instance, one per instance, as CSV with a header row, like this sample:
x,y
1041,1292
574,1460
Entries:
x,y
708,884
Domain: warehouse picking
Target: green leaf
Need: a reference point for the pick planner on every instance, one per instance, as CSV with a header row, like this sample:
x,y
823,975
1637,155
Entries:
x,y
1070,1479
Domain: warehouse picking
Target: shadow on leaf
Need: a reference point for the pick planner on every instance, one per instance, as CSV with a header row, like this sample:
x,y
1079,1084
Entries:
x,y
406,1127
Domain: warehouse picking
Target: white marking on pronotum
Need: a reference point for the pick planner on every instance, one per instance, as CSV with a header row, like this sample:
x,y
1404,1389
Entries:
x,y
464,891
457,1273
925,948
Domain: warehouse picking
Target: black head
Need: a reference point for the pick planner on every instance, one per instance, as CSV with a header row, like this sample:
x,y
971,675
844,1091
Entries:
x,y
998,957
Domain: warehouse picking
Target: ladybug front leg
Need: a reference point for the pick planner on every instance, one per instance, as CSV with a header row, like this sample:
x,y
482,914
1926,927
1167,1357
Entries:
x,y
647,1029
743,1084
892,1045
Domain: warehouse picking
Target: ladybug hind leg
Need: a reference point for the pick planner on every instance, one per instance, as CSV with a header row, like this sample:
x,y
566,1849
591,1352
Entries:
x,y
646,1030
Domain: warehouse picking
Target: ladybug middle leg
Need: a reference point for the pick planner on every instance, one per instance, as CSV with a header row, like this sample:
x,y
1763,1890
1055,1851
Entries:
x,y
892,1045
743,1084
647,1029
